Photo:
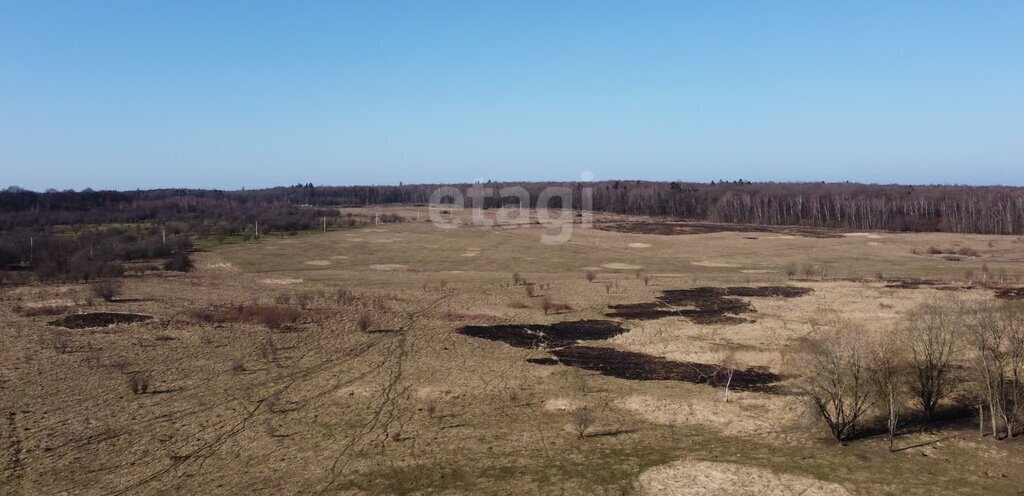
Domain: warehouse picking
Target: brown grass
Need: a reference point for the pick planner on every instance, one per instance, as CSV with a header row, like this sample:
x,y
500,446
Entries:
x,y
456,316
273,317
43,310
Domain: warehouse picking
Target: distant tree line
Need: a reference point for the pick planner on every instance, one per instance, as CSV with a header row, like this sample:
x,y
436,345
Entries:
x,y
961,209
90,254
82,236
202,211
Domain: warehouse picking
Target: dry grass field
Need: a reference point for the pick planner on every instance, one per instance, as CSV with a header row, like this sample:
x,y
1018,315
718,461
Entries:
x,y
331,363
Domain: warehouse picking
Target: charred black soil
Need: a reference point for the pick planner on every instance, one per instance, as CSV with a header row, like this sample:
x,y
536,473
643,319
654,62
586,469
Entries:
x,y
546,336
641,367
543,361
920,283
704,305
1010,294
561,340
685,228
98,319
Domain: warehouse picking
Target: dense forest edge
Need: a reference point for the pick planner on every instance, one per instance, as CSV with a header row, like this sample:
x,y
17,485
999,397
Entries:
x,y
937,208
79,235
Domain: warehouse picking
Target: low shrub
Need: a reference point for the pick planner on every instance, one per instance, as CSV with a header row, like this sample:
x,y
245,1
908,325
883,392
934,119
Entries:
x,y
531,290
345,297
364,323
139,382
179,262
550,306
108,289
271,316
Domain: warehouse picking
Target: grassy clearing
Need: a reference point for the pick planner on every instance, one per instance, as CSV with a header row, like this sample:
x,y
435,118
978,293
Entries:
x,y
407,405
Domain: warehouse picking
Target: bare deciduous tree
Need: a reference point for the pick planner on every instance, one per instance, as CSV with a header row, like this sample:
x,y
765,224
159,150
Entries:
x,y
581,420
994,334
727,367
930,334
889,376
834,366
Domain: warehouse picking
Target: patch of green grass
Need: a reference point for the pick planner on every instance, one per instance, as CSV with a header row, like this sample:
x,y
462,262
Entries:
x,y
591,466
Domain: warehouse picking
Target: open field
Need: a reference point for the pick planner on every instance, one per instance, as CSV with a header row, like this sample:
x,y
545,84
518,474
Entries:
x,y
370,389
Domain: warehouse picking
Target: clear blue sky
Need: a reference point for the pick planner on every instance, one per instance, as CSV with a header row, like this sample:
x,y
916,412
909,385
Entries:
x,y
142,94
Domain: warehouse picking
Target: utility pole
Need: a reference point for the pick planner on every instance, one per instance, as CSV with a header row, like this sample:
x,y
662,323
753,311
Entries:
x,y
325,223
163,233
257,230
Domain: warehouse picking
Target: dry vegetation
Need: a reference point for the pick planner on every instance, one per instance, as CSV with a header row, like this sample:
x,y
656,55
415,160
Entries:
x,y
831,364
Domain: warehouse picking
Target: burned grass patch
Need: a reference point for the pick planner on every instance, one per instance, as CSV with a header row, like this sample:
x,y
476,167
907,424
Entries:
x,y
642,311
920,283
561,339
546,336
768,291
689,228
704,305
1010,294
642,367
98,319
543,361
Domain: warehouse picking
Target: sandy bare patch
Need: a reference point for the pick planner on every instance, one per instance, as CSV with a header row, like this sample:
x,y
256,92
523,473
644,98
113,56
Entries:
x,y
862,235
758,271
389,267
747,414
621,266
470,254
693,477
705,263
221,265
317,262
434,392
671,274
561,404
340,257
280,280
639,245
590,268
64,302
874,243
